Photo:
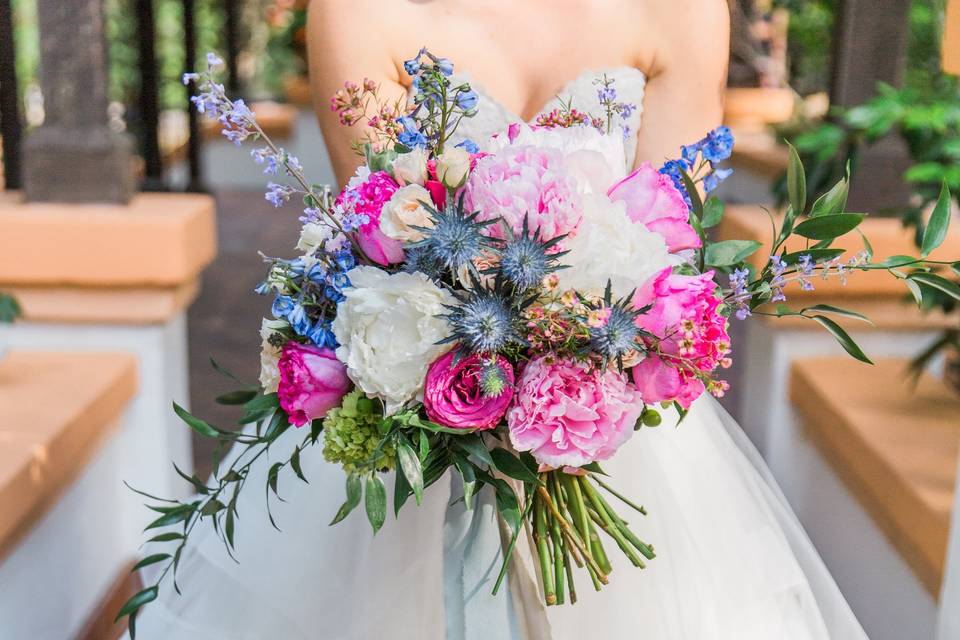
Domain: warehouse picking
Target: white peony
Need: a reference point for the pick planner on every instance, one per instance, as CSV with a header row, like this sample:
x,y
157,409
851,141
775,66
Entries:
x,y
388,329
411,168
610,246
594,159
404,209
269,355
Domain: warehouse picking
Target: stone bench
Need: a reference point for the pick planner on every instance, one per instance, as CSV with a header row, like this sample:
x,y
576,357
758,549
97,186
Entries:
x,y
68,526
871,477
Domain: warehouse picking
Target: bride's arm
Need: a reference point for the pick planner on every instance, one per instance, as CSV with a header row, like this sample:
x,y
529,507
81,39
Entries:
x,y
343,45
684,94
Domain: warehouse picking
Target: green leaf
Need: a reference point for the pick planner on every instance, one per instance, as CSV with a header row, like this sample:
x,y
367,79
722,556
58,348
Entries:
x,y
730,252
833,201
240,396
936,231
9,308
179,515
198,425
151,559
796,182
843,338
193,480
401,492
510,465
354,492
507,503
170,536
937,282
424,445
829,227
829,308
955,267
295,465
224,372
211,507
468,476
712,212
474,446
273,476
915,291
695,201
817,255
375,501
409,463
898,261
138,600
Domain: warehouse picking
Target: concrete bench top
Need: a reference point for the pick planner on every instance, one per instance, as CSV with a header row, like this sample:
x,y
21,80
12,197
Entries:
x,y
895,446
56,409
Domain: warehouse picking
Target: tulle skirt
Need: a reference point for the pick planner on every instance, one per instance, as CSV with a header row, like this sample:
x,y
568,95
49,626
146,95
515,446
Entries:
x,y
732,560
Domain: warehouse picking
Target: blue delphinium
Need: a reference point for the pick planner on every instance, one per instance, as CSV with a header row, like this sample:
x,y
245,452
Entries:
x,y
718,145
469,146
467,100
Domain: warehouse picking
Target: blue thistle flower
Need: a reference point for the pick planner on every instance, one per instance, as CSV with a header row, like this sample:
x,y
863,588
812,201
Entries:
x,y
420,259
616,337
484,322
524,261
455,239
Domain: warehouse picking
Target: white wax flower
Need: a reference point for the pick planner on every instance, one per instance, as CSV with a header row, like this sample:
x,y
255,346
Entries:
x,y
388,327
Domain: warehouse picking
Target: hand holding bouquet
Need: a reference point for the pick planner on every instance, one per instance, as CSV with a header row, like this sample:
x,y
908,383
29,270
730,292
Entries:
x,y
512,315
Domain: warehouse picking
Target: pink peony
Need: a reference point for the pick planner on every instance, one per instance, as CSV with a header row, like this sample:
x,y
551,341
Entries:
x,y
566,414
653,200
367,198
685,314
312,381
454,398
521,181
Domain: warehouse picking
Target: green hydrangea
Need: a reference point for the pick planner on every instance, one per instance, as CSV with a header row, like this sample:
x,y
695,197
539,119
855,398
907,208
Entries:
x,y
350,435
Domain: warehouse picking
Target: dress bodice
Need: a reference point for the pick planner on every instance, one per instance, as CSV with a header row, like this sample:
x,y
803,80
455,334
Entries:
x,y
581,92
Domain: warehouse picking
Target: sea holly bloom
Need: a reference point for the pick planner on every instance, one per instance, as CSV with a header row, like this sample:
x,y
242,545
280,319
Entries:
x,y
312,381
454,392
652,199
567,414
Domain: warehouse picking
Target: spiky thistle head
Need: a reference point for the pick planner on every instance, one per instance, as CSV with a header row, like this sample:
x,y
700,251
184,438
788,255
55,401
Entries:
x,y
493,379
484,322
420,259
612,327
456,237
525,260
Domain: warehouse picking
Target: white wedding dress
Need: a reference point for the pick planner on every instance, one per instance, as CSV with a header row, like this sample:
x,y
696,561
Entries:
x,y
733,562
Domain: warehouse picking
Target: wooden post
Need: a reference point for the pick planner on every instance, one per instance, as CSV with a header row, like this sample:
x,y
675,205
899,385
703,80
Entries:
x,y
870,46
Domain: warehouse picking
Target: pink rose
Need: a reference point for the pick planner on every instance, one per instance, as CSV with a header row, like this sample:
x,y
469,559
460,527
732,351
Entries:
x,y
653,200
685,312
566,414
367,199
312,381
453,396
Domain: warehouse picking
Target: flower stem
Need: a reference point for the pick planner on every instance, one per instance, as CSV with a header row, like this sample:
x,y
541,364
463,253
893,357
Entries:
x,y
540,537
609,526
556,538
571,534
614,492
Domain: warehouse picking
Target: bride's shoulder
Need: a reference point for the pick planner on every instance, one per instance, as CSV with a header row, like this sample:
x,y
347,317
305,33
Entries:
x,y
682,29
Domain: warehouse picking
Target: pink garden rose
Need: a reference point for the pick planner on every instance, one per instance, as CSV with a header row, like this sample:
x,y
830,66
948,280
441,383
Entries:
x,y
312,381
367,198
653,200
566,414
453,395
685,313
521,181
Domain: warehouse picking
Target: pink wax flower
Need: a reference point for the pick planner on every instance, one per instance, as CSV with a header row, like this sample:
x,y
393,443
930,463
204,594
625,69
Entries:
x,y
521,181
685,314
312,381
653,200
453,395
367,199
566,414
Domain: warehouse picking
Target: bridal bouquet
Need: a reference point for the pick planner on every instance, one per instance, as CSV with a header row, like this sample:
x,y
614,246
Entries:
x,y
511,310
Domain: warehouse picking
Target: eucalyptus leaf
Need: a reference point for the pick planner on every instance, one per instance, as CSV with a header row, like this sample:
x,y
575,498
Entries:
x,y
296,466
409,464
829,227
936,230
137,600
843,338
151,559
796,182
730,252
375,501
171,518
169,536
354,493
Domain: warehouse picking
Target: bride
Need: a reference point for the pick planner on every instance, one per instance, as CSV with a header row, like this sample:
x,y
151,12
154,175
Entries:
x,y
732,560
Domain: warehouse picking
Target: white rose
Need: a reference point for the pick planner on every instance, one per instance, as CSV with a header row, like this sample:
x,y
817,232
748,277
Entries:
x,y
453,166
314,235
388,328
609,245
269,355
411,168
403,210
